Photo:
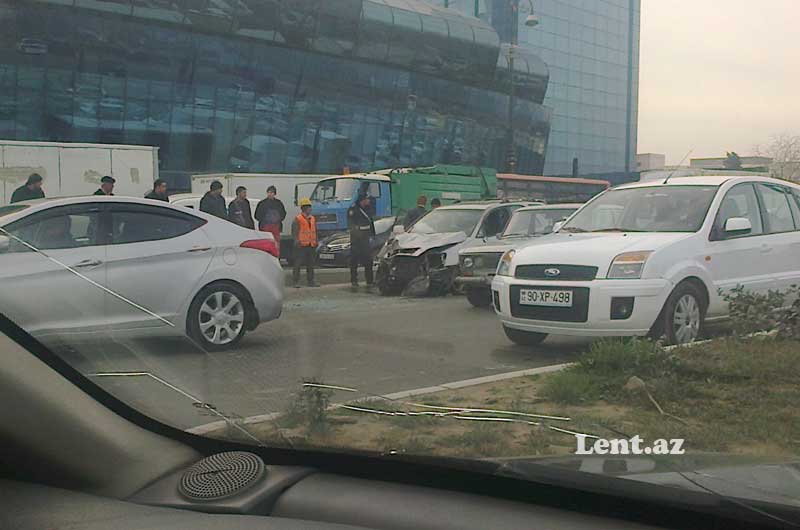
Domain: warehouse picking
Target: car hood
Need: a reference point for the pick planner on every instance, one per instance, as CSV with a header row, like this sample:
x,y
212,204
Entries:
x,y
424,242
501,245
596,250
487,249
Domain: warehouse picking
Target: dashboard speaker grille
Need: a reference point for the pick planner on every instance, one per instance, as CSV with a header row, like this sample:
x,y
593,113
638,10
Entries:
x,y
221,475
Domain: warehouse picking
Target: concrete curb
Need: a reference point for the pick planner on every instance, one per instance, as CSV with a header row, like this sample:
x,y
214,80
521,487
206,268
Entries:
x,y
455,385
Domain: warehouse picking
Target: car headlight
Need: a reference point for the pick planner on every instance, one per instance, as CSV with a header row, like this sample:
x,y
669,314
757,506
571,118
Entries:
x,y
628,266
468,263
504,268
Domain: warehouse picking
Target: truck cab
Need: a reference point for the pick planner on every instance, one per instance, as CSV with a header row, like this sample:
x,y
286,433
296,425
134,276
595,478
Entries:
x,y
333,196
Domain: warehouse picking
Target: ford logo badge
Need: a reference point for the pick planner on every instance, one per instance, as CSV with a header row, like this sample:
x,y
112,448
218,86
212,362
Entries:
x,y
552,272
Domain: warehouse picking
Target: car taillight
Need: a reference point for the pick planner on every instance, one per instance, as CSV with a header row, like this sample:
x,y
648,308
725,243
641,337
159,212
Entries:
x,y
265,245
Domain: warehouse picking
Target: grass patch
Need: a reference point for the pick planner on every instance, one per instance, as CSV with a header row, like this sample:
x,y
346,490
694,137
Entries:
x,y
729,396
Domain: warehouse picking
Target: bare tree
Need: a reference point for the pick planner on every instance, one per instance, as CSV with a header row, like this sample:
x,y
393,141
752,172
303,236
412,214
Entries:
x,y
784,149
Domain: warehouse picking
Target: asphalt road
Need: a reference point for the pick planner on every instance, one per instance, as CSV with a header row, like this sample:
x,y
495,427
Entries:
x,y
328,334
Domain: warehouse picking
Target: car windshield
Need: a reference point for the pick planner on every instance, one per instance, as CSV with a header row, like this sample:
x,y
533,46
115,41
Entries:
x,y
667,311
526,223
647,209
448,220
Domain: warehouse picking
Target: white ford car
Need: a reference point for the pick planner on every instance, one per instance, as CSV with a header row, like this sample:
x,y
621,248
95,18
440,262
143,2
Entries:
x,y
125,266
652,258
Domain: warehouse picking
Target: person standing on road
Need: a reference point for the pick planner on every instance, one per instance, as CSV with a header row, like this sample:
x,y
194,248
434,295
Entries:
x,y
239,209
159,191
270,214
32,189
416,213
304,234
106,186
435,203
213,202
362,228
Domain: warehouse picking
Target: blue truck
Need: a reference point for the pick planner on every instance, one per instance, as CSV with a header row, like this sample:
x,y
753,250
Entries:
x,y
395,191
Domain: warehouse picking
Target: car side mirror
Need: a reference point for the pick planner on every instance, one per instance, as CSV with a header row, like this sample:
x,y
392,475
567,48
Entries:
x,y
557,226
737,226
5,244
398,229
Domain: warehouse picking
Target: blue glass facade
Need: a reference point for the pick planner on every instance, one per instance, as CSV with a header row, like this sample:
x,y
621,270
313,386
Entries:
x,y
591,48
268,85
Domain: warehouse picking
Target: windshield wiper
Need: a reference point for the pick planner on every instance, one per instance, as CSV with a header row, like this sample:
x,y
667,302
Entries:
x,y
573,229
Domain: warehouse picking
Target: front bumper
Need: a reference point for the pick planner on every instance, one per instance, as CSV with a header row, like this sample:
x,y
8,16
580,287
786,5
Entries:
x,y
483,280
592,306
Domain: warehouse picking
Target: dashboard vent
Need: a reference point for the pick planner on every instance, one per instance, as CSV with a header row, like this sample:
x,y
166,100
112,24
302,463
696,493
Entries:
x,y
222,475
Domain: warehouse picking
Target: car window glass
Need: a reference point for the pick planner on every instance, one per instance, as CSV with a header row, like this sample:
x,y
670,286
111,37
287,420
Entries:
x,y
740,201
134,226
493,223
60,231
776,208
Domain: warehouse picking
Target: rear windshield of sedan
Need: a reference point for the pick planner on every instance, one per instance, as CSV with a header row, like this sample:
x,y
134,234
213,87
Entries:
x,y
647,209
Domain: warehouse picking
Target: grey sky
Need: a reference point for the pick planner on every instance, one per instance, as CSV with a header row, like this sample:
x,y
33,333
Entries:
x,y
717,75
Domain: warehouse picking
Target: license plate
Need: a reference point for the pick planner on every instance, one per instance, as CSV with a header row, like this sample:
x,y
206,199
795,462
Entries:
x,y
327,256
545,297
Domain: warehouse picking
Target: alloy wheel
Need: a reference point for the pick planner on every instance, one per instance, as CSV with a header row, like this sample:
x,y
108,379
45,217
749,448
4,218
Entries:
x,y
686,319
221,317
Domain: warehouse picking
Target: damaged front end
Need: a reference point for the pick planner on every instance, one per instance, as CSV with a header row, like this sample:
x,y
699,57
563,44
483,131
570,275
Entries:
x,y
414,270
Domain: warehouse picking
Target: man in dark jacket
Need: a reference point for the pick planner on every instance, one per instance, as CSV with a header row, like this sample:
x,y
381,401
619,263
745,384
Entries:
x,y
270,214
213,202
159,191
239,209
416,213
362,228
32,189
106,186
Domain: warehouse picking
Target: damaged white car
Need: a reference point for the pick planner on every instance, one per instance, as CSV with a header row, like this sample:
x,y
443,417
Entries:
x,y
424,260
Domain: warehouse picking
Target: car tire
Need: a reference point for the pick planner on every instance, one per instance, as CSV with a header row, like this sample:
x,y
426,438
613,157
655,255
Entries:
x,y
230,305
683,317
524,338
478,296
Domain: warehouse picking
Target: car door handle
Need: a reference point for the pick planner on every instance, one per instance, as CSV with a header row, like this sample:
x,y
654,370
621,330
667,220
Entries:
x,y
766,249
88,263
199,249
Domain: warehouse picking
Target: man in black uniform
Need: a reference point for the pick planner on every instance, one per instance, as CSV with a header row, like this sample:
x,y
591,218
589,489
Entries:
x,y
29,191
159,191
106,186
213,202
361,229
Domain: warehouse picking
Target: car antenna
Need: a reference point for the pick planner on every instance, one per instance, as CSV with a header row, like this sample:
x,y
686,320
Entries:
x,y
679,165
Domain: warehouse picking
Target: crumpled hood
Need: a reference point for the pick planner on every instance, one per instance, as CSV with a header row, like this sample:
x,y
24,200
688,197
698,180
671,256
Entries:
x,y
596,250
425,242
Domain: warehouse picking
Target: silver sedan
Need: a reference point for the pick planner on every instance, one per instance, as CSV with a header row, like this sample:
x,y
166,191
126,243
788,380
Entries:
x,y
94,265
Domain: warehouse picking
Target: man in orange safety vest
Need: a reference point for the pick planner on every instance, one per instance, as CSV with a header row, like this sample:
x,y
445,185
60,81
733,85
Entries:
x,y
304,234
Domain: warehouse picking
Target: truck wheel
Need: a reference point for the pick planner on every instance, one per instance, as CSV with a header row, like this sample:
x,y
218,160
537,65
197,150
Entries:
x,y
479,296
524,338
682,318
218,316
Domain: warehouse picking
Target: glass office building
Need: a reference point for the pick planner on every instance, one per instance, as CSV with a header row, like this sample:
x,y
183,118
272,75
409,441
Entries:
x,y
591,48
296,86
